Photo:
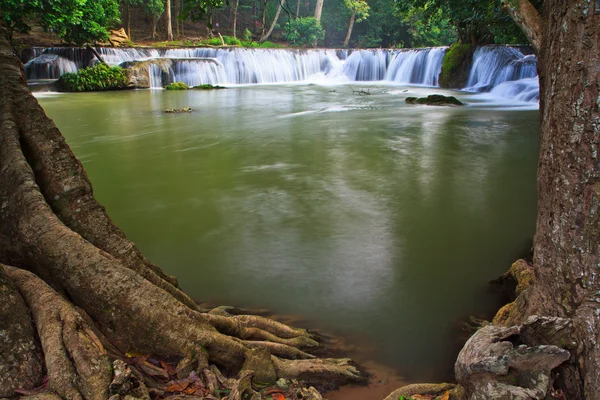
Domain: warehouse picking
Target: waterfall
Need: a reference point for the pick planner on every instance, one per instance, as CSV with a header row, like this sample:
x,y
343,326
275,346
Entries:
x,y
504,72
417,66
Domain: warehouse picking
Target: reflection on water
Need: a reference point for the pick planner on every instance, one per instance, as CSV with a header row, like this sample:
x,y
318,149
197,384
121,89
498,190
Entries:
x,y
369,217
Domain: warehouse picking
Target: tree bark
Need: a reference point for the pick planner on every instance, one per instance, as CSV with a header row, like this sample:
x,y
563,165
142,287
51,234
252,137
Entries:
x,y
528,19
567,238
347,40
297,10
266,36
51,225
263,19
319,10
168,20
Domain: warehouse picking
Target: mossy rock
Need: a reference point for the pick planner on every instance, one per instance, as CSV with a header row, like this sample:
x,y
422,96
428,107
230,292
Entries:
x,y
456,66
435,100
208,87
178,110
177,86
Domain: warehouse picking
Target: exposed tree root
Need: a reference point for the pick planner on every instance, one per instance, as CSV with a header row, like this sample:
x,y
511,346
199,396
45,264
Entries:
x,y
51,224
76,362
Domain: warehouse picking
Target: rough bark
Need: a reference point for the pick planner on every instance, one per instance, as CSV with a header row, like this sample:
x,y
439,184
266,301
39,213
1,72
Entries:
x,y
50,224
266,36
347,40
528,19
20,354
567,239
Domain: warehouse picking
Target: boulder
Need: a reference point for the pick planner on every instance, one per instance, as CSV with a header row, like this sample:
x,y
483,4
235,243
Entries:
x,y
118,38
435,100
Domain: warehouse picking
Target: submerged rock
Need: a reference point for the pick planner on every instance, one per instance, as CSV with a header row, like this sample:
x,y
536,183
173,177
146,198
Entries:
x,y
435,100
178,110
208,87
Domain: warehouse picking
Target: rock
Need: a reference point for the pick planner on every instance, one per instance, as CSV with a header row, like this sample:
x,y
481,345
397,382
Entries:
x,y
457,66
512,362
178,110
118,38
208,87
435,100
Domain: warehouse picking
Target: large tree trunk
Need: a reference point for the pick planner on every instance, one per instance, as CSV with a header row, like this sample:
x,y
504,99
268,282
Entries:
x,y
567,239
266,36
168,20
347,40
92,294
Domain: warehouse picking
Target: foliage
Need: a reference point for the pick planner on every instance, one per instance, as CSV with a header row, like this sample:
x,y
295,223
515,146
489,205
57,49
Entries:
x,y
208,86
96,78
359,8
75,21
303,31
427,27
475,21
177,86
201,10
232,41
247,35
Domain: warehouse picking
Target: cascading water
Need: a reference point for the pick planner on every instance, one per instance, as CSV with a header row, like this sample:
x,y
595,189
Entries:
x,y
504,72
417,66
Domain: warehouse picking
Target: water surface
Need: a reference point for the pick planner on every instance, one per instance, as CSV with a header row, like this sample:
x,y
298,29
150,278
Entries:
x,y
370,218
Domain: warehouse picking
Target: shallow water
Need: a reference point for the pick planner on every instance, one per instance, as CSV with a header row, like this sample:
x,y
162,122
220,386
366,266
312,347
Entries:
x,y
370,218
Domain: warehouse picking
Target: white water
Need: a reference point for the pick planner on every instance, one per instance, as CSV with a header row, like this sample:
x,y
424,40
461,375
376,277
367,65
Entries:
x,y
505,72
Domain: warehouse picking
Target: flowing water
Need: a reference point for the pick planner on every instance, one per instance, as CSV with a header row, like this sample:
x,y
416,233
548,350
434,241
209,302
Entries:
x,y
370,218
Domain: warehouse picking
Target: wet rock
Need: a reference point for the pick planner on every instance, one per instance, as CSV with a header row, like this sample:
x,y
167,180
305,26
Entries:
x,y
512,362
435,100
178,110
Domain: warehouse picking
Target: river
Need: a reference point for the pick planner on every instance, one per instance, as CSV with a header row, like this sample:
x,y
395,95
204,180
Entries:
x,y
370,218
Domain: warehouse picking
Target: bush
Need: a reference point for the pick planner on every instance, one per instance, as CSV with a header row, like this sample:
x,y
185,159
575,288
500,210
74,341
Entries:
x,y
213,42
269,45
98,77
247,35
303,31
232,41
177,86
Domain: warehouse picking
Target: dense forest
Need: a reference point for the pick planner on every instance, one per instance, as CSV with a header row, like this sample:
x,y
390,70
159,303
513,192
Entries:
x,y
331,23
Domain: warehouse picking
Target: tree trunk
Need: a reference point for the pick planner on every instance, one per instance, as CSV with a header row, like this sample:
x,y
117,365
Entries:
x,y
565,294
128,20
567,239
154,23
528,18
92,294
347,40
234,17
168,20
263,19
297,10
319,10
266,36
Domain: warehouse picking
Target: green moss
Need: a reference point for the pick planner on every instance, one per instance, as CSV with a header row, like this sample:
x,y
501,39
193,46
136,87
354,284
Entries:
x,y
97,78
177,86
208,87
435,100
454,58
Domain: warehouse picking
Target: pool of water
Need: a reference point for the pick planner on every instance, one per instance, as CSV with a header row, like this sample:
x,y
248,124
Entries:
x,y
370,218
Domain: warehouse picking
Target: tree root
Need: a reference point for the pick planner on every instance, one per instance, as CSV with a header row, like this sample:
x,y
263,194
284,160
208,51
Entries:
x,y
76,362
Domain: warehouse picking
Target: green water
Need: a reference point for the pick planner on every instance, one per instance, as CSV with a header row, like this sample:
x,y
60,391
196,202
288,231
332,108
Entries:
x,y
370,218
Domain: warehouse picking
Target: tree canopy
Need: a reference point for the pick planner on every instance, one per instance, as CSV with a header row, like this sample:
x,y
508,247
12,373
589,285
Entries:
x,y
75,21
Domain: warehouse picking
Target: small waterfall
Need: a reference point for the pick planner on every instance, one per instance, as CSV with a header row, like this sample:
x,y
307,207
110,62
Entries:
x,y
49,66
366,65
417,66
505,72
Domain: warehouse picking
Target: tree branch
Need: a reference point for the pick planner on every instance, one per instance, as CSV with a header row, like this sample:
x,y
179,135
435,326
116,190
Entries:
x,y
528,19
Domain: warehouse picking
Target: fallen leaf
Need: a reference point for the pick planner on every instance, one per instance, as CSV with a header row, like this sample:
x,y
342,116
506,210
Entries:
x,y
445,396
178,386
170,370
277,396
